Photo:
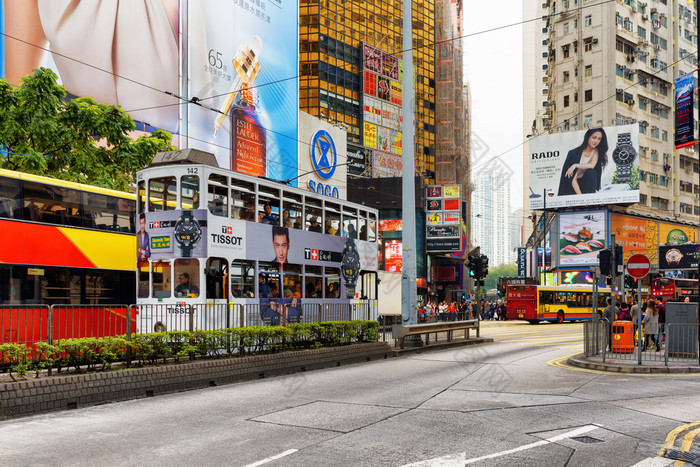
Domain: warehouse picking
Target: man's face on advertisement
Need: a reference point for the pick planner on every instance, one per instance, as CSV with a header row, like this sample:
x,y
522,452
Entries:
x,y
142,224
281,246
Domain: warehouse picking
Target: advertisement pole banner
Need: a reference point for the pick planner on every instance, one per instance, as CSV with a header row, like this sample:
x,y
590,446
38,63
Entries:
x,y
597,166
684,111
522,261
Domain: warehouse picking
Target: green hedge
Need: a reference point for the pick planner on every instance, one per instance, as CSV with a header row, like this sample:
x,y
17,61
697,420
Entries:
x,y
98,354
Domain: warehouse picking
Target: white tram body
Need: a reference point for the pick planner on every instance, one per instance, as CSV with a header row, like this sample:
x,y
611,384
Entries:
x,y
217,248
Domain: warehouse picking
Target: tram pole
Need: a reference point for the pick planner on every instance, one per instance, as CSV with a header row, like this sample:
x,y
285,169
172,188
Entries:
x,y
594,310
639,321
408,203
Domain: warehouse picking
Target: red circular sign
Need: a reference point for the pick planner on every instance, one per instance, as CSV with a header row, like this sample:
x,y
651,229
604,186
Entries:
x,y
638,266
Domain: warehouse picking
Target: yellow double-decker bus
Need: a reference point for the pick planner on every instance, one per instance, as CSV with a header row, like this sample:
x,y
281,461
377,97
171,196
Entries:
x,y
535,303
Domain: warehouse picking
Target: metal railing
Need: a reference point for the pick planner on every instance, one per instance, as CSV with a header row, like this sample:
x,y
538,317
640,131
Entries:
x,y
677,343
27,324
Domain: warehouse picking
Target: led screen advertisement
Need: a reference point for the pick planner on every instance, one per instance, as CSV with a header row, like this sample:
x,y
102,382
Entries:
x,y
580,236
597,166
197,69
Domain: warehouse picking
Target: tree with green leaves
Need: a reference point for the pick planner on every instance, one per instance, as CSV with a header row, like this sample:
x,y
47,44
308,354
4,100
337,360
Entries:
x,y
502,270
43,132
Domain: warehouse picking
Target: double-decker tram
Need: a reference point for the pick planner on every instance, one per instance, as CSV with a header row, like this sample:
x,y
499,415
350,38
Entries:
x,y
217,248
535,303
67,245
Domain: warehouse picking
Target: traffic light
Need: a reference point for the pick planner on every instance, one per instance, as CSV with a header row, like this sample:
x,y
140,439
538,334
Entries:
x,y
630,282
619,259
605,260
484,266
479,267
471,266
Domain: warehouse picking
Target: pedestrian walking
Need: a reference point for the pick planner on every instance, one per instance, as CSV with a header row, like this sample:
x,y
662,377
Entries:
x,y
651,325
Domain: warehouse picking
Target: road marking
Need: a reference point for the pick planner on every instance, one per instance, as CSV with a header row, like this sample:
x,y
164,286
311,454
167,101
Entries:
x,y
459,459
272,458
673,434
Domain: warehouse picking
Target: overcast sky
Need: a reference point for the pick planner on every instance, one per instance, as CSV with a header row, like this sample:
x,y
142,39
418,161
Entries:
x,y
493,68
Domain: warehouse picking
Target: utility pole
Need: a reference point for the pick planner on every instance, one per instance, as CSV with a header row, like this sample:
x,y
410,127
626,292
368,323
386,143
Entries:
x,y
614,271
408,203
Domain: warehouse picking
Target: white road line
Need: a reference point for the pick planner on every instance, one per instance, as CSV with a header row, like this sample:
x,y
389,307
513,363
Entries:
x,y
272,458
460,459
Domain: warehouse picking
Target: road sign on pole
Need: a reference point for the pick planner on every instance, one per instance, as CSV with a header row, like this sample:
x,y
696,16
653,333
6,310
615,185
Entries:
x,y
638,266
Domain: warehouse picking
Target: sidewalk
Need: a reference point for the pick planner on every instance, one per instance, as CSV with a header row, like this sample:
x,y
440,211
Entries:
x,y
440,344
629,364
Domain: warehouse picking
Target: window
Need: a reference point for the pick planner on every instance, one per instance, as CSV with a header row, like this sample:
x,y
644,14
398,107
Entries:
x,y
566,76
313,282
588,45
143,273
216,274
292,211
314,215
588,121
160,274
566,101
189,192
332,283
162,194
641,32
187,277
242,200
268,205
587,20
141,196
664,135
566,29
589,70
588,95
217,195
565,50
242,279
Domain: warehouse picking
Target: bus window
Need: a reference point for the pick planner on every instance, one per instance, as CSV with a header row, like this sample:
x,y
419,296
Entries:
x,y
332,283
242,279
109,213
189,192
160,274
313,282
143,279
372,228
187,277
217,278
268,206
162,194
9,197
546,298
217,195
141,196
362,226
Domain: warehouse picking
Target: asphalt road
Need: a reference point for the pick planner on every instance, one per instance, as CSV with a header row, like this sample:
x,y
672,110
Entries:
x,y
509,402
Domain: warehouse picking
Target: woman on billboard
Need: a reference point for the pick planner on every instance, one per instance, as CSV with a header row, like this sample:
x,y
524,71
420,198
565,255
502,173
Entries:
x,y
584,165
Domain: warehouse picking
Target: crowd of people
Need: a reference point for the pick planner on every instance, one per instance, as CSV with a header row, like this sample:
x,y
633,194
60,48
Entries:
x,y
653,319
458,310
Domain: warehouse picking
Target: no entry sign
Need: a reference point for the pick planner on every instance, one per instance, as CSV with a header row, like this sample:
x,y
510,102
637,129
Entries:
x,y
638,266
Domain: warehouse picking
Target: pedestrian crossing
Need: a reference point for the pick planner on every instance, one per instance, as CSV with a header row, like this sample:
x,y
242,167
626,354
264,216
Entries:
x,y
560,336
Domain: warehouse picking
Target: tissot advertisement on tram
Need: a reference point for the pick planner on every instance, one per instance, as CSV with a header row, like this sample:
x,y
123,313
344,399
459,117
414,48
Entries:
x,y
587,167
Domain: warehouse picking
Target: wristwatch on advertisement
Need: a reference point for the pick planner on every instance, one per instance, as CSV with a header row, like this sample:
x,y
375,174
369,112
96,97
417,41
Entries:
x,y
624,155
187,233
350,267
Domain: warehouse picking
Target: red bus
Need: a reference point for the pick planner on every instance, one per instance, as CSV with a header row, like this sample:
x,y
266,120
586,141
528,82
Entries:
x,y
673,289
535,303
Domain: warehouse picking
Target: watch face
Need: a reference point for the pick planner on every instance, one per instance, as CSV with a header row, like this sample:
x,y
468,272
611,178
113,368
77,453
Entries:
x,y
350,263
187,231
624,154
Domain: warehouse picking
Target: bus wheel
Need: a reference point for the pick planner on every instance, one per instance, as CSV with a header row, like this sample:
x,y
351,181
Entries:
x,y
560,317
534,321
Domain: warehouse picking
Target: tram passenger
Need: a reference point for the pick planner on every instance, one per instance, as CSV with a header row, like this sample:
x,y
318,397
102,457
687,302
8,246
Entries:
x,y
185,288
315,226
268,217
287,220
330,230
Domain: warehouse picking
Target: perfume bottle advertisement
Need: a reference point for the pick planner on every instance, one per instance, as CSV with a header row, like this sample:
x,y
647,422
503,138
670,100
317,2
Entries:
x,y
243,60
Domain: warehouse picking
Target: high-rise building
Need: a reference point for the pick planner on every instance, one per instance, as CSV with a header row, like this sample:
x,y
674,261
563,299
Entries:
x,y
490,215
350,74
614,63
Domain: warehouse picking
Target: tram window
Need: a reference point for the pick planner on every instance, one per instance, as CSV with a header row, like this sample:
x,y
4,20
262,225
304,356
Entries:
x,y
269,276
217,278
362,226
331,224
372,228
292,287
160,275
313,219
243,206
291,214
268,206
189,192
217,200
242,279
143,279
313,282
141,196
162,194
9,196
332,283
349,222
186,277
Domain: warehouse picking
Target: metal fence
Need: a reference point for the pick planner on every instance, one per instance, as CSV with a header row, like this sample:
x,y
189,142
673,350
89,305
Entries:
x,y
42,323
618,341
